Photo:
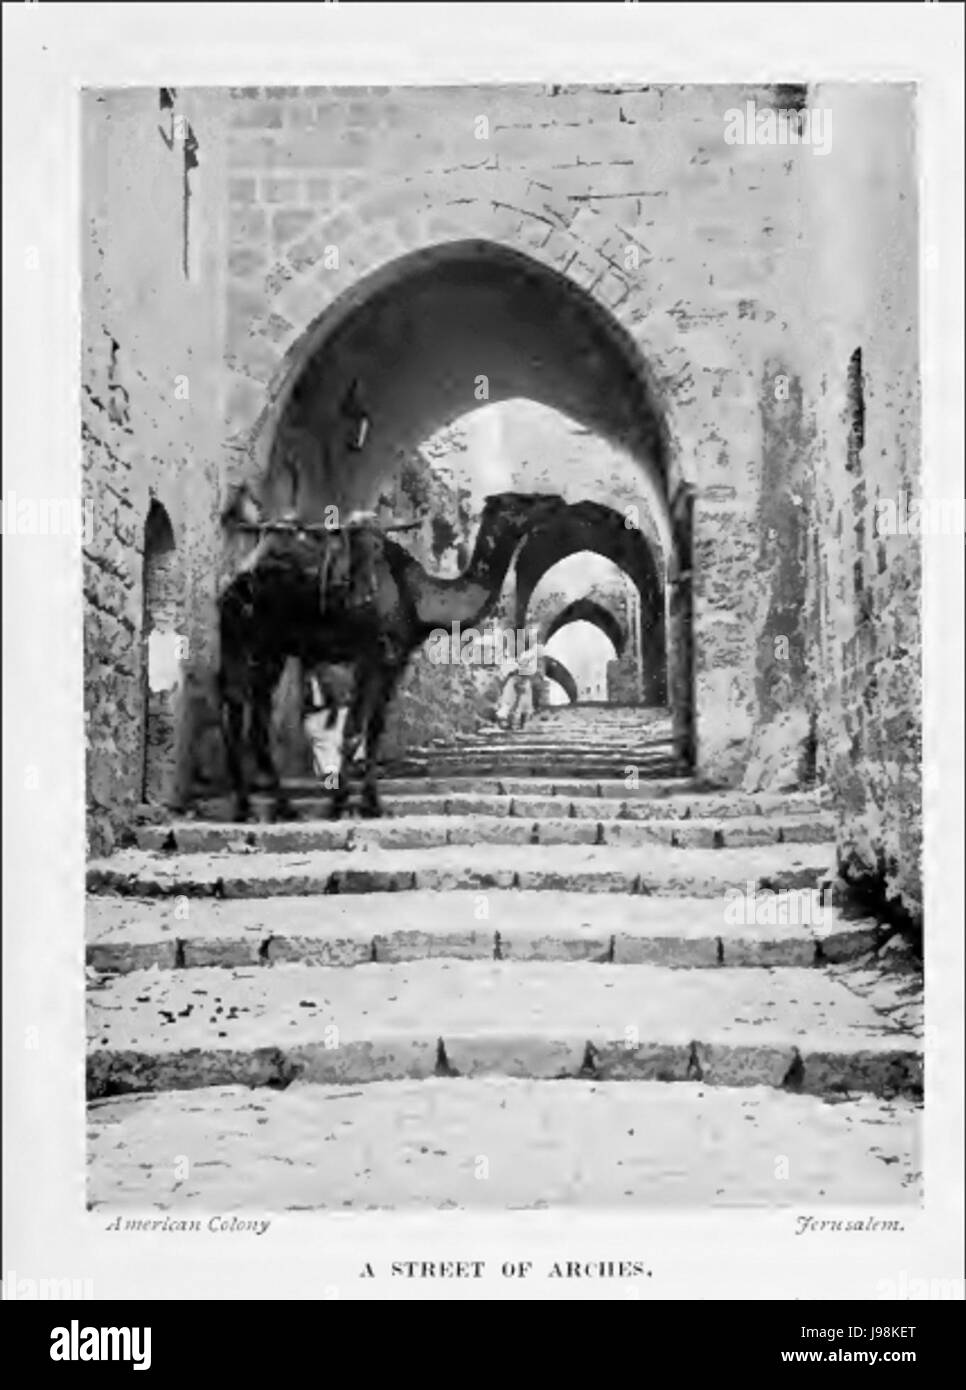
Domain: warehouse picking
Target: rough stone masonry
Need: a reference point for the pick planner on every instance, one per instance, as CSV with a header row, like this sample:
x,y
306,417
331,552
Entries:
x,y
733,325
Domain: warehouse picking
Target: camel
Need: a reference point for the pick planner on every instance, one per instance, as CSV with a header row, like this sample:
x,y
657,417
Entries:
x,y
276,607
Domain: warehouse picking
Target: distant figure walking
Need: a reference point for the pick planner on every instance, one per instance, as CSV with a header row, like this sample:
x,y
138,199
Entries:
x,y
517,697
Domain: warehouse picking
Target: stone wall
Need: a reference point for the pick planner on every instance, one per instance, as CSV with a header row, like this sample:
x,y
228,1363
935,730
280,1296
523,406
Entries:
x,y
866,588
151,434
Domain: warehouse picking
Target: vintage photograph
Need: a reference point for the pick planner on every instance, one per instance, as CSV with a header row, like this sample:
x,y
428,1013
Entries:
x,y
502,565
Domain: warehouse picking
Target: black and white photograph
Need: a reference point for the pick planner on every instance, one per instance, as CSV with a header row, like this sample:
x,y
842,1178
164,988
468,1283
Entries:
x,y
499,554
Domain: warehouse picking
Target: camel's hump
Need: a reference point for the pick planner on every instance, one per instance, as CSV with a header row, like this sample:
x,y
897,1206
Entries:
x,y
526,499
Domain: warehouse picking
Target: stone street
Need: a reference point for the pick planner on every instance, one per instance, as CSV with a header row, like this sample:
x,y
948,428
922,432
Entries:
x,y
469,1006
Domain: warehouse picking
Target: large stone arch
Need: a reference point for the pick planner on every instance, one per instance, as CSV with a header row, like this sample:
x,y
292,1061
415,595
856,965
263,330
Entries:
x,y
376,176
588,610
431,336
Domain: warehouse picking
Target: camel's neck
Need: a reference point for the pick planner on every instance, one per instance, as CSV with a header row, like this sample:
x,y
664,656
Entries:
x,y
468,599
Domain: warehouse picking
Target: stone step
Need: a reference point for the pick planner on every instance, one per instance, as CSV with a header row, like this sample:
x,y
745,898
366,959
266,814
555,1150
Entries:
x,y
541,801
528,743
267,1026
617,760
680,796
485,766
549,752
587,733
575,1143
544,729
629,731
543,726
435,831
126,934
604,709
600,712
621,758
606,868
456,784
567,770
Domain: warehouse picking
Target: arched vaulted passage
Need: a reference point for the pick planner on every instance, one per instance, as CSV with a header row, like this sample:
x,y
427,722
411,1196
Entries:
x,y
594,527
436,334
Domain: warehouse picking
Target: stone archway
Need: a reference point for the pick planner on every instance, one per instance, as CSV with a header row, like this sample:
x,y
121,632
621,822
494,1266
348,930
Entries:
x,y
588,653
623,675
433,336
588,610
590,526
162,602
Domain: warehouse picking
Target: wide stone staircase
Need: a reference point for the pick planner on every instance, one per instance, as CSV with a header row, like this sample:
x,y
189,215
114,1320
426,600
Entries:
x,y
583,743
560,972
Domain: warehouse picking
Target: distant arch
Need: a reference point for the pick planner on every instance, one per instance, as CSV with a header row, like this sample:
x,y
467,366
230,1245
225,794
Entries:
x,y
556,671
602,530
588,610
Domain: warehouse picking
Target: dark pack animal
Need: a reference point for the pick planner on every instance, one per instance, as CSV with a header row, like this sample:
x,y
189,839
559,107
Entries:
x,y
354,596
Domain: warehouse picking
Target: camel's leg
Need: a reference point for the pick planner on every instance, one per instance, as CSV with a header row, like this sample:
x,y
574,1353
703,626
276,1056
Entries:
x,y
355,727
384,680
340,791
234,691
233,716
347,744
340,794
268,678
